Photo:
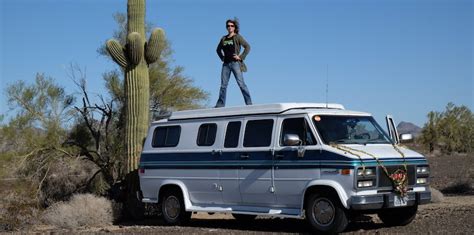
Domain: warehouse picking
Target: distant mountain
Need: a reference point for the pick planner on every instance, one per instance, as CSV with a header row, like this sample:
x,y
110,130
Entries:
x,y
408,128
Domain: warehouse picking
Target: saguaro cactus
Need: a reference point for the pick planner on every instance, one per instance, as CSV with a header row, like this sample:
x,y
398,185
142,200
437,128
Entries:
x,y
134,58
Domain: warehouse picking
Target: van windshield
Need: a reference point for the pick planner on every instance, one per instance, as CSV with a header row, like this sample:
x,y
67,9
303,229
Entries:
x,y
350,130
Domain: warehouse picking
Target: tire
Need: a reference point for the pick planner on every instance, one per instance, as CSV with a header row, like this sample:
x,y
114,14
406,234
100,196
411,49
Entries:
x,y
398,216
173,209
326,214
244,218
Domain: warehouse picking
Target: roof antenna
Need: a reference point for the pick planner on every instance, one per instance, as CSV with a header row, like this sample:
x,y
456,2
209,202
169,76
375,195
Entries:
x,y
327,84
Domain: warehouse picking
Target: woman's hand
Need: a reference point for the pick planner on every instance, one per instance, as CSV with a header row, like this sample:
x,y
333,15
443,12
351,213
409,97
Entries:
x,y
236,57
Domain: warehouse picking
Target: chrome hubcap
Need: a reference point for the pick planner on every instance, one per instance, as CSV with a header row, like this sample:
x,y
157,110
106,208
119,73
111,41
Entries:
x,y
172,207
323,211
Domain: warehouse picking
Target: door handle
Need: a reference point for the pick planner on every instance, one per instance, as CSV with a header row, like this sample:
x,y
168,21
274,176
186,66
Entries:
x,y
244,156
279,156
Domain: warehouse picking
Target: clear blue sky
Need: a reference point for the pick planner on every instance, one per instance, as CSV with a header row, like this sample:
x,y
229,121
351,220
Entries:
x,y
404,57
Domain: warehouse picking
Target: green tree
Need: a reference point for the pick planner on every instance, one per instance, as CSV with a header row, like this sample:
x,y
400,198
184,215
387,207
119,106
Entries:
x,y
429,133
42,109
450,131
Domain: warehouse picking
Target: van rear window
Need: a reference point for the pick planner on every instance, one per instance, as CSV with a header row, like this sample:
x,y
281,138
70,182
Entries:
x,y
232,135
166,136
258,133
207,134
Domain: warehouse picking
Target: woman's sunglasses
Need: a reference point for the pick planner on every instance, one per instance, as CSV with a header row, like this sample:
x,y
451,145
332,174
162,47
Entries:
x,y
230,25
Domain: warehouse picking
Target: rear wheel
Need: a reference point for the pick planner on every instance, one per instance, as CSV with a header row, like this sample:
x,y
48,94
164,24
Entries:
x,y
398,216
173,209
326,214
244,218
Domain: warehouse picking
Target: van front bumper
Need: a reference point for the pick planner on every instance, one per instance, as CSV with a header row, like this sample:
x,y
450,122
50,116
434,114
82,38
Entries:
x,y
378,201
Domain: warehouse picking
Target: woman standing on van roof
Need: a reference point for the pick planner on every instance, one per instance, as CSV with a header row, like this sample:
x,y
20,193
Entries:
x,y
233,61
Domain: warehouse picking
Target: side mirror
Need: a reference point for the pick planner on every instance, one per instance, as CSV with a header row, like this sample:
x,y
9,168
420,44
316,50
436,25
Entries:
x,y
291,140
406,138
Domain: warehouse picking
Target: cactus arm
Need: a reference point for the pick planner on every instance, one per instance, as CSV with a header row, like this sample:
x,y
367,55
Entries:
x,y
116,51
135,48
154,46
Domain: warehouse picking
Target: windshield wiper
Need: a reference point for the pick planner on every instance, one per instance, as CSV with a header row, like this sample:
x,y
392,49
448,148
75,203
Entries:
x,y
346,141
377,142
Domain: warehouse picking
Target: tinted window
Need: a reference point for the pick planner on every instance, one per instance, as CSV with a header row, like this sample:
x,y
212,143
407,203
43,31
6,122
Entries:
x,y
232,135
166,136
258,133
297,126
207,134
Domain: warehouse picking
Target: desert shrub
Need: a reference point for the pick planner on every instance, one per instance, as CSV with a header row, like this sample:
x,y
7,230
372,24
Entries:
x,y
18,207
449,131
81,210
66,177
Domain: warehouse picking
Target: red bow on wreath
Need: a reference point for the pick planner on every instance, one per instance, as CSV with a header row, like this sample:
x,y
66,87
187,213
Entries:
x,y
400,182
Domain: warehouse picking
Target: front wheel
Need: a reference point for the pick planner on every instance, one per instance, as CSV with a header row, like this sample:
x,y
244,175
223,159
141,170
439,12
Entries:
x,y
326,214
398,216
172,208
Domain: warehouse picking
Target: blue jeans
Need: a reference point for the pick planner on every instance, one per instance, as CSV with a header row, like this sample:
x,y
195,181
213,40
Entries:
x,y
233,67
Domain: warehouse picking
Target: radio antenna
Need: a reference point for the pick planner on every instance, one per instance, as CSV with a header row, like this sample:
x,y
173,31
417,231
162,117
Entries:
x,y
327,84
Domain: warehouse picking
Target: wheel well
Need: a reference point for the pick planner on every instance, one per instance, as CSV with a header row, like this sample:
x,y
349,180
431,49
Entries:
x,y
167,188
320,189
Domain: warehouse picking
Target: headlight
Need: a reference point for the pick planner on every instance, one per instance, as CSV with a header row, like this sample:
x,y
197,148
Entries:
x,y
422,170
367,172
365,183
421,180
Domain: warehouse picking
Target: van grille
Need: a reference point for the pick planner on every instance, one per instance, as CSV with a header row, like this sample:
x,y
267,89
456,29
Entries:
x,y
384,181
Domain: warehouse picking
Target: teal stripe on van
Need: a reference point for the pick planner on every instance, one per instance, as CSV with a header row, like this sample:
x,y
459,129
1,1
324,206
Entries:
x,y
267,164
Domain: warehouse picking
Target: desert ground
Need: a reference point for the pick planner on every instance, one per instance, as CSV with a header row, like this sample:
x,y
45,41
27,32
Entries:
x,y
454,215
453,175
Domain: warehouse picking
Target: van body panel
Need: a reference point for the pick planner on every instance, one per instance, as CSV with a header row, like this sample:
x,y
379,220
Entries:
x,y
229,179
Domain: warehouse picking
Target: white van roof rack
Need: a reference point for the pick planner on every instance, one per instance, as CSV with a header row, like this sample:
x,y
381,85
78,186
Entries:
x,y
249,110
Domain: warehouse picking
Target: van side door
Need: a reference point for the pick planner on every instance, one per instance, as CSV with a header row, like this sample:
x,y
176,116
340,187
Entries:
x,y
200,174
256,166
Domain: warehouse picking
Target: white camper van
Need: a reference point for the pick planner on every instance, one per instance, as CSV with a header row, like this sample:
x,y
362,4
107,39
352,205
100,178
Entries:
x,y
299,160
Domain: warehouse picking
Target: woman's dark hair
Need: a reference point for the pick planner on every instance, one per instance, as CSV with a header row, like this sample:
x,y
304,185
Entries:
x,y
235,22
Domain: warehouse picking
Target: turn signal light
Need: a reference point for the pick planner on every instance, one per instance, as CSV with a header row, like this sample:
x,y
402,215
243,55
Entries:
x,y
345,171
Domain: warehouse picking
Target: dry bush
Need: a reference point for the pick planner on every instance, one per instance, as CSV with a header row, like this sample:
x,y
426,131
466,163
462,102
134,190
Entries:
x,y
81,210
66,177
18,207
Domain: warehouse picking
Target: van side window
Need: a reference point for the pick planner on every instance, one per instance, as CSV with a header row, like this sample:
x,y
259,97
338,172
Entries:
x,y
207,134
297,126
232,135
258,133
166,136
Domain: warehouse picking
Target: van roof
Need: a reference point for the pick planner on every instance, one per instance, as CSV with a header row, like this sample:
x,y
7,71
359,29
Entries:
x,y
250,110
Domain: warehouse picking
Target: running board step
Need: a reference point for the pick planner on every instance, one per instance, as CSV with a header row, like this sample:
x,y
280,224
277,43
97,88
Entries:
x,y
280,212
